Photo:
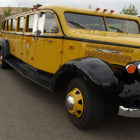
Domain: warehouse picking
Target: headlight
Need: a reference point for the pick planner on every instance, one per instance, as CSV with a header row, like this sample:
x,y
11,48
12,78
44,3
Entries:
x,y
138,67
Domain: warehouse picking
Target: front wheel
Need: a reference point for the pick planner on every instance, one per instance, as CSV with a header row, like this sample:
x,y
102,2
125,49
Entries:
x,y
84,106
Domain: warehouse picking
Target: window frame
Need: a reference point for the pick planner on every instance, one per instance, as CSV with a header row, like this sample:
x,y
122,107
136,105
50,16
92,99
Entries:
x,y
121,19
35,23
56,24
8,25
103,17
27,23
12,24
4,25
18,28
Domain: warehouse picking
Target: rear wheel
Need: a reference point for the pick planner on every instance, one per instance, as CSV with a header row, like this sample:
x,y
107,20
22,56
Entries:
x,y
84,106
4,65
4,54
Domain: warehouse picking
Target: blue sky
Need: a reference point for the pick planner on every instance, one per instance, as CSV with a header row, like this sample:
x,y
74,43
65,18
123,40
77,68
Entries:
x,y
116,5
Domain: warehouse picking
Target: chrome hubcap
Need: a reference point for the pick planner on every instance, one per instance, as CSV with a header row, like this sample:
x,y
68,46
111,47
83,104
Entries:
x,y
74,102
69,103
1,58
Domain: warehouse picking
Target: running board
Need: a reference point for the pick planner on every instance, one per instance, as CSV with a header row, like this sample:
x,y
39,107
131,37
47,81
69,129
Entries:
x,y
31,73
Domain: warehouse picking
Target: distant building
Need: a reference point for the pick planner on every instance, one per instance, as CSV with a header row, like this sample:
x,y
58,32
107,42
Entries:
x,y
13,10
1,17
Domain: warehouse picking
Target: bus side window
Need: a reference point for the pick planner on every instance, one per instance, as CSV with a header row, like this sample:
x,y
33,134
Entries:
x,y
7,25
4,25
13,22
10,24
30,23
50,25
21,21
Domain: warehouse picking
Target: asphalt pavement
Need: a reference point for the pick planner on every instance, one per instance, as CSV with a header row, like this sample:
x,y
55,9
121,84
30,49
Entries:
x,y
30,112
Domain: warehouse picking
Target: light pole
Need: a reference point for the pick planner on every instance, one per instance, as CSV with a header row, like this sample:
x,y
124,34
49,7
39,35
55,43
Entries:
x,y
19,3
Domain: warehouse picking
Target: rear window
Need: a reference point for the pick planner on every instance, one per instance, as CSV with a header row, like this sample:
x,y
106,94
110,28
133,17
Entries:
x,y
122,26
83,21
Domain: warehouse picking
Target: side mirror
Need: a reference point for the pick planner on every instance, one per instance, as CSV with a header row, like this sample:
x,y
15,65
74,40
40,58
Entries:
x,y
40,14
38,32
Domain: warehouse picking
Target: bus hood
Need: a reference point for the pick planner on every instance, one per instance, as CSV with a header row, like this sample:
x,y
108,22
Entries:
x,y
108,38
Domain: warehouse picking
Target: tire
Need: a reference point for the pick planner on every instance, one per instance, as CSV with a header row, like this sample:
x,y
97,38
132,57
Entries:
x,y
93,105
4,54
4,65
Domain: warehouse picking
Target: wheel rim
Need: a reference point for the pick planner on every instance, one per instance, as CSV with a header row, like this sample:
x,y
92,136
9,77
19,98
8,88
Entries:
x,y
74,103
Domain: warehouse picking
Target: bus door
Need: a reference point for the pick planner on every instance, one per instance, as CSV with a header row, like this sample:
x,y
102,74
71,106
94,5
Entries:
x,y
49,44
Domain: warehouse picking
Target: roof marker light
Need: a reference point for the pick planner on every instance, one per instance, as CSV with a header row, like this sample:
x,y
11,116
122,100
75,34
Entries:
x,y
97,9
105,10
112,11
131,68
35,8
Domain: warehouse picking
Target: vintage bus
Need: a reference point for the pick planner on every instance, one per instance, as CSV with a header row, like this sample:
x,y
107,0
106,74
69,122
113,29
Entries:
x,y
93,55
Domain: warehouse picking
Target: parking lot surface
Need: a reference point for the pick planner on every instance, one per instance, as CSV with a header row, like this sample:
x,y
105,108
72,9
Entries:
x,y
30,112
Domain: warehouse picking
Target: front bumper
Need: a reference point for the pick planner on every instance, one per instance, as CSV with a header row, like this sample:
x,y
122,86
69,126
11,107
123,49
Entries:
x,y
129,112
130,96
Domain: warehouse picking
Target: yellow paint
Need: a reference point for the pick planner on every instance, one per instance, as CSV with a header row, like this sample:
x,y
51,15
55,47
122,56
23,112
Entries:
x,y
49,54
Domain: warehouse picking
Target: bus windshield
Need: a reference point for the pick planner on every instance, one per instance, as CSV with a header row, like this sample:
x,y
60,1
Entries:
x,y
122,25
83,21
93,22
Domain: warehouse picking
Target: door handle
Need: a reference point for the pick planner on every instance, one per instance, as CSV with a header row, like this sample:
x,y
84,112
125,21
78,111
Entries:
x,y
50,41
35,38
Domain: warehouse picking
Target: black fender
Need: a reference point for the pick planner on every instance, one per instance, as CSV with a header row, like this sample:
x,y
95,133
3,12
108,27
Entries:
x,y
91,69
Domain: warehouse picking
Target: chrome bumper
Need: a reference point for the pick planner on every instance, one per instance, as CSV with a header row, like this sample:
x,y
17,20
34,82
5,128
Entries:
x,y
128,112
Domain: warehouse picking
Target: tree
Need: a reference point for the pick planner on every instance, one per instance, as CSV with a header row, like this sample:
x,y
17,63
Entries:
x,y
17,10
8,12
24,9
131,10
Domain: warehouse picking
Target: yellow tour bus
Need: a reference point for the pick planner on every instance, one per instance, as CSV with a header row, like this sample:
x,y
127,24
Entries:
x,y
93,55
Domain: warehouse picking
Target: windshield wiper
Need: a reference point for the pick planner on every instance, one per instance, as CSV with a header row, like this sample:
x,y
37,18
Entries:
x,y
118,30
78,25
